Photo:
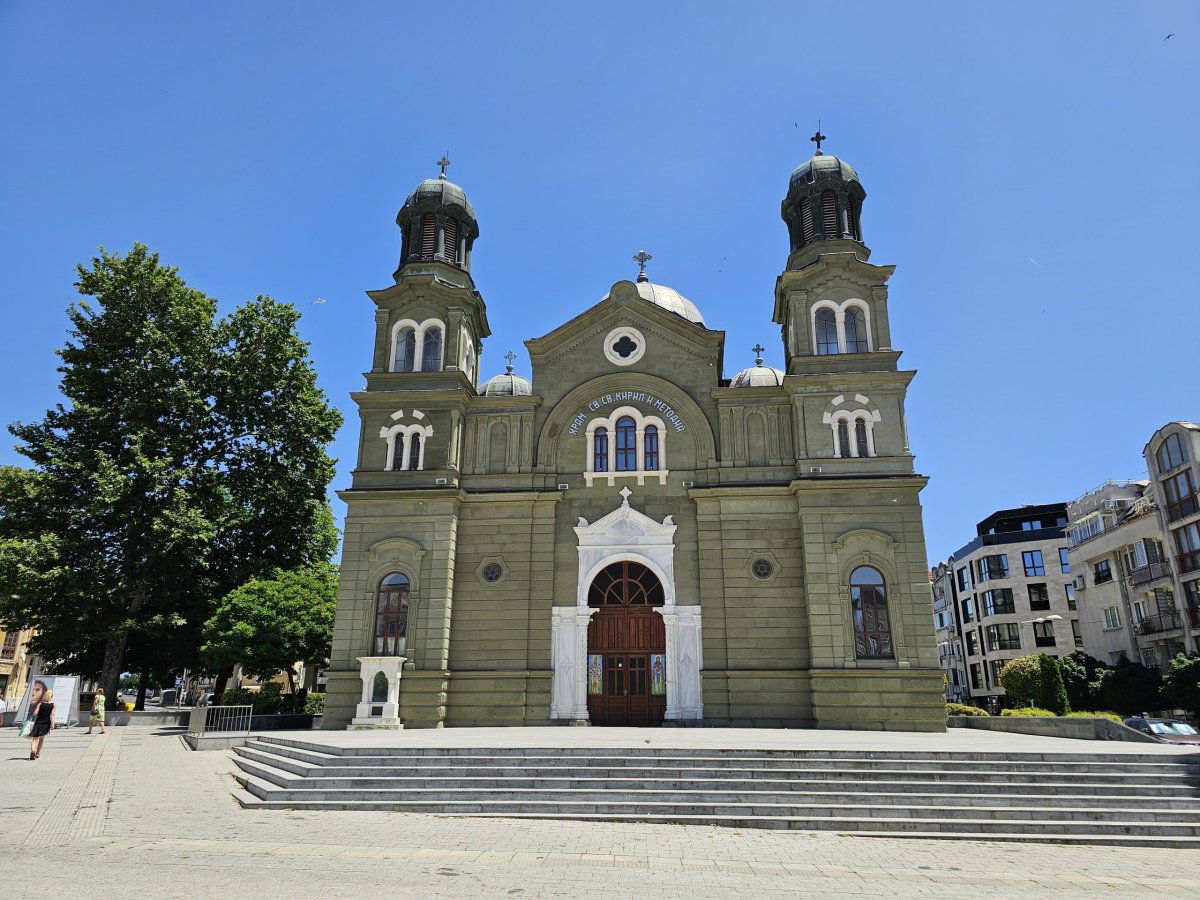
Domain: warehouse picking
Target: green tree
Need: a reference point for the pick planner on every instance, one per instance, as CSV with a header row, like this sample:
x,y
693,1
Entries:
x,y
1081,675
1181,684
1021,679
269,624
187,458
1053,691
1131,688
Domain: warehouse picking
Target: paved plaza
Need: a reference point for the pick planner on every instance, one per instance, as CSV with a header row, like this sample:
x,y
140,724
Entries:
x,y
133,813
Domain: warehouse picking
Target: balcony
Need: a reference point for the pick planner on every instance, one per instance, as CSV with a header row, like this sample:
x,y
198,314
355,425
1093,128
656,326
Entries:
x,y
1183,507
1159,624
1188,562
1194,616
1149,574
1103,577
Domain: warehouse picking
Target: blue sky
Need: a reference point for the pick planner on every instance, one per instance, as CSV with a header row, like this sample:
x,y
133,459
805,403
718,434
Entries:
x,y
1030,170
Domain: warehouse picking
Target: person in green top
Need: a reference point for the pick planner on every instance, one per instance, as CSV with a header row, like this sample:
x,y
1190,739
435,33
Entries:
x,y
97,711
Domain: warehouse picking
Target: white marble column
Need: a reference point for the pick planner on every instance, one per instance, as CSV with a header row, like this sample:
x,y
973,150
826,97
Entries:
x,y
684,661
568,657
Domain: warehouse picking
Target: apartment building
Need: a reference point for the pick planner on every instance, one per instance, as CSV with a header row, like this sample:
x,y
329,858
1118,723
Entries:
x,y
1014,594
949,632
14,661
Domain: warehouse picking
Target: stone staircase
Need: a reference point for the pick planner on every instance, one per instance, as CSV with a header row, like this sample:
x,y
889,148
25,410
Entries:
x,y
1085,798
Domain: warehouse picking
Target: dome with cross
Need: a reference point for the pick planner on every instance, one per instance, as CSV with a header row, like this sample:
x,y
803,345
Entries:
x,y
660,295
508,384
757,375
438,223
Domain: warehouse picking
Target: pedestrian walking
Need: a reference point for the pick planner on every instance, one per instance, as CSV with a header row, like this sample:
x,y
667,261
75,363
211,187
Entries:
x,y
41,710
3,708
97,716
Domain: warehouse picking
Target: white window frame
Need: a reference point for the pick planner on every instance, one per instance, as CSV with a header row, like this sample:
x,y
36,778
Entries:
x,y
641,422
852,417
399,437
839,313
419,350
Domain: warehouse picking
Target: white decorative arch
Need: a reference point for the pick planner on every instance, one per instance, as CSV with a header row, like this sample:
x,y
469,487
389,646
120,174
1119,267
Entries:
x,y
399,437
641,423
626,535
839,312
865,411
419,329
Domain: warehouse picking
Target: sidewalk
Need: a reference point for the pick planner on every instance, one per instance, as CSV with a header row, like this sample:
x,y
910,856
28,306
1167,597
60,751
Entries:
x,y
134,814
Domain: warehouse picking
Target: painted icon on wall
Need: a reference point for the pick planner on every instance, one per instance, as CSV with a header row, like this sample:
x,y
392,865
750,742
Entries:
x,y
658,673
595,673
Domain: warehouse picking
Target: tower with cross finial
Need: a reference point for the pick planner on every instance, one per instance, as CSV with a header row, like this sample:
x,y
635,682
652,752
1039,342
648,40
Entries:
x,y
641,258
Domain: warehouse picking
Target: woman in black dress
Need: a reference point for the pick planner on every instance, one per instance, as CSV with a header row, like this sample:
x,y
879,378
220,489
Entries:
x,y
42,712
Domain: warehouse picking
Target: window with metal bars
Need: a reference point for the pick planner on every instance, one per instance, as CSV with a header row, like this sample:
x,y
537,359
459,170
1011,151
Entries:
x,y
829,215
806,221
450,241
428,236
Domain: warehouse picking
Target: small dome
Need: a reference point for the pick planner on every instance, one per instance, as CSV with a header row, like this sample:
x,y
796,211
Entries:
x,y
440,191
823,165
668,298
507,385
757,375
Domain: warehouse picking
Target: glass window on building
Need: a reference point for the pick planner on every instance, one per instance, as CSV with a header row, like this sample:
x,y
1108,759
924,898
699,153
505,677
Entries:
x,y
972,644
1039,598
1187,542
994,666
995,566
964,579
1063,563
1112,618
1034,566
1070,590
1043,634
1076,633
976,677
1102,572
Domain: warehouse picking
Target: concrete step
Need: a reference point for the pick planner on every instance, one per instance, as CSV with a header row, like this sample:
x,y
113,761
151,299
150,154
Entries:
x,y
709,753
694,792
1171,764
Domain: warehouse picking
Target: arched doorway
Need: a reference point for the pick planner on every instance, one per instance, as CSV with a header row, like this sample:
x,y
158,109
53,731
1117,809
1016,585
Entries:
x,y
627,647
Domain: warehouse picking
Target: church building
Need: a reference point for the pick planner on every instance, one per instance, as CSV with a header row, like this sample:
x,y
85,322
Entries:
x,y
630,536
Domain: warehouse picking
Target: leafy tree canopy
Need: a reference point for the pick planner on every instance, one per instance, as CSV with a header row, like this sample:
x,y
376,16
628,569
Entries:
x,y
1021,679
269,624
188,457
1181,684
1131,688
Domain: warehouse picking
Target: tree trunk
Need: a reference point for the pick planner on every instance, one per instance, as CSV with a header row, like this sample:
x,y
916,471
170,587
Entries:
x,y
140,704
291,676
114,651
219,687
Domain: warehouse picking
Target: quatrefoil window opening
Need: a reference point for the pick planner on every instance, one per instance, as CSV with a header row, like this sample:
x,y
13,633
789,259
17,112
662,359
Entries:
x,y
624,346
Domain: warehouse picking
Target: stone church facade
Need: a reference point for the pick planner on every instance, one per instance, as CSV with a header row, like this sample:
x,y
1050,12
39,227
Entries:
x,y
630,537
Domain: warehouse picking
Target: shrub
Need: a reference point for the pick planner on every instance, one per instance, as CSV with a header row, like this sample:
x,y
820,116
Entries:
x,y
315,704
1181,685
1021,679
1103,714
237,697
1131,688
1054,692
1026,711
269,699
962,709
1082,675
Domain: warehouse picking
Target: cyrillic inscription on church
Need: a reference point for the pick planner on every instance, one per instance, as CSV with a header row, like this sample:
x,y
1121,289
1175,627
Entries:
x,y
650,400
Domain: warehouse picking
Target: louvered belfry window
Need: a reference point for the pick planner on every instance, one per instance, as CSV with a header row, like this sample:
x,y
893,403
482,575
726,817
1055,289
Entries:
x,y
428,236
829,215
806,221
451,240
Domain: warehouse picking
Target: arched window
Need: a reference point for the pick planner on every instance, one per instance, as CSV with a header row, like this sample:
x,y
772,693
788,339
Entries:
x,y
852,219
861,447
431,357
1171,452
406,350
651,448
856,330
806,221
391,615
829,215
600,456
414,453
626,445
827,332
450,240
872,628
843,439
379,688
469,361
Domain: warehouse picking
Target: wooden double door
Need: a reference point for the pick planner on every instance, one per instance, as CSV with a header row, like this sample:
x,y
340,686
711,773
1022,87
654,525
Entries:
x,y
626,648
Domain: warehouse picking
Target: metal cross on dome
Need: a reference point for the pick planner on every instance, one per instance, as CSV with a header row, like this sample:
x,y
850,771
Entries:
x,y
818,137
641,258
510,356
443,162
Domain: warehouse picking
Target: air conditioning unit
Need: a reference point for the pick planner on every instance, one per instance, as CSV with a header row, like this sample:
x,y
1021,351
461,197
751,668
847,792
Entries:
x,y
1080,583
441,481
563,487
688,484
815,470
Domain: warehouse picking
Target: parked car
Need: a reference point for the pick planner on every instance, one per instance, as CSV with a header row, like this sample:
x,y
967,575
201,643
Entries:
x,y
1170,731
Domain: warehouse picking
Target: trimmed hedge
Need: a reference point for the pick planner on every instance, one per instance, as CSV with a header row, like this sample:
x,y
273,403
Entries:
x,y
314,703
1103,714
1027,711
962,709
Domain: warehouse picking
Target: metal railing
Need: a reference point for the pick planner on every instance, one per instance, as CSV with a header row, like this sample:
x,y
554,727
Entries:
x,y
1159,623
227,720
1148,573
